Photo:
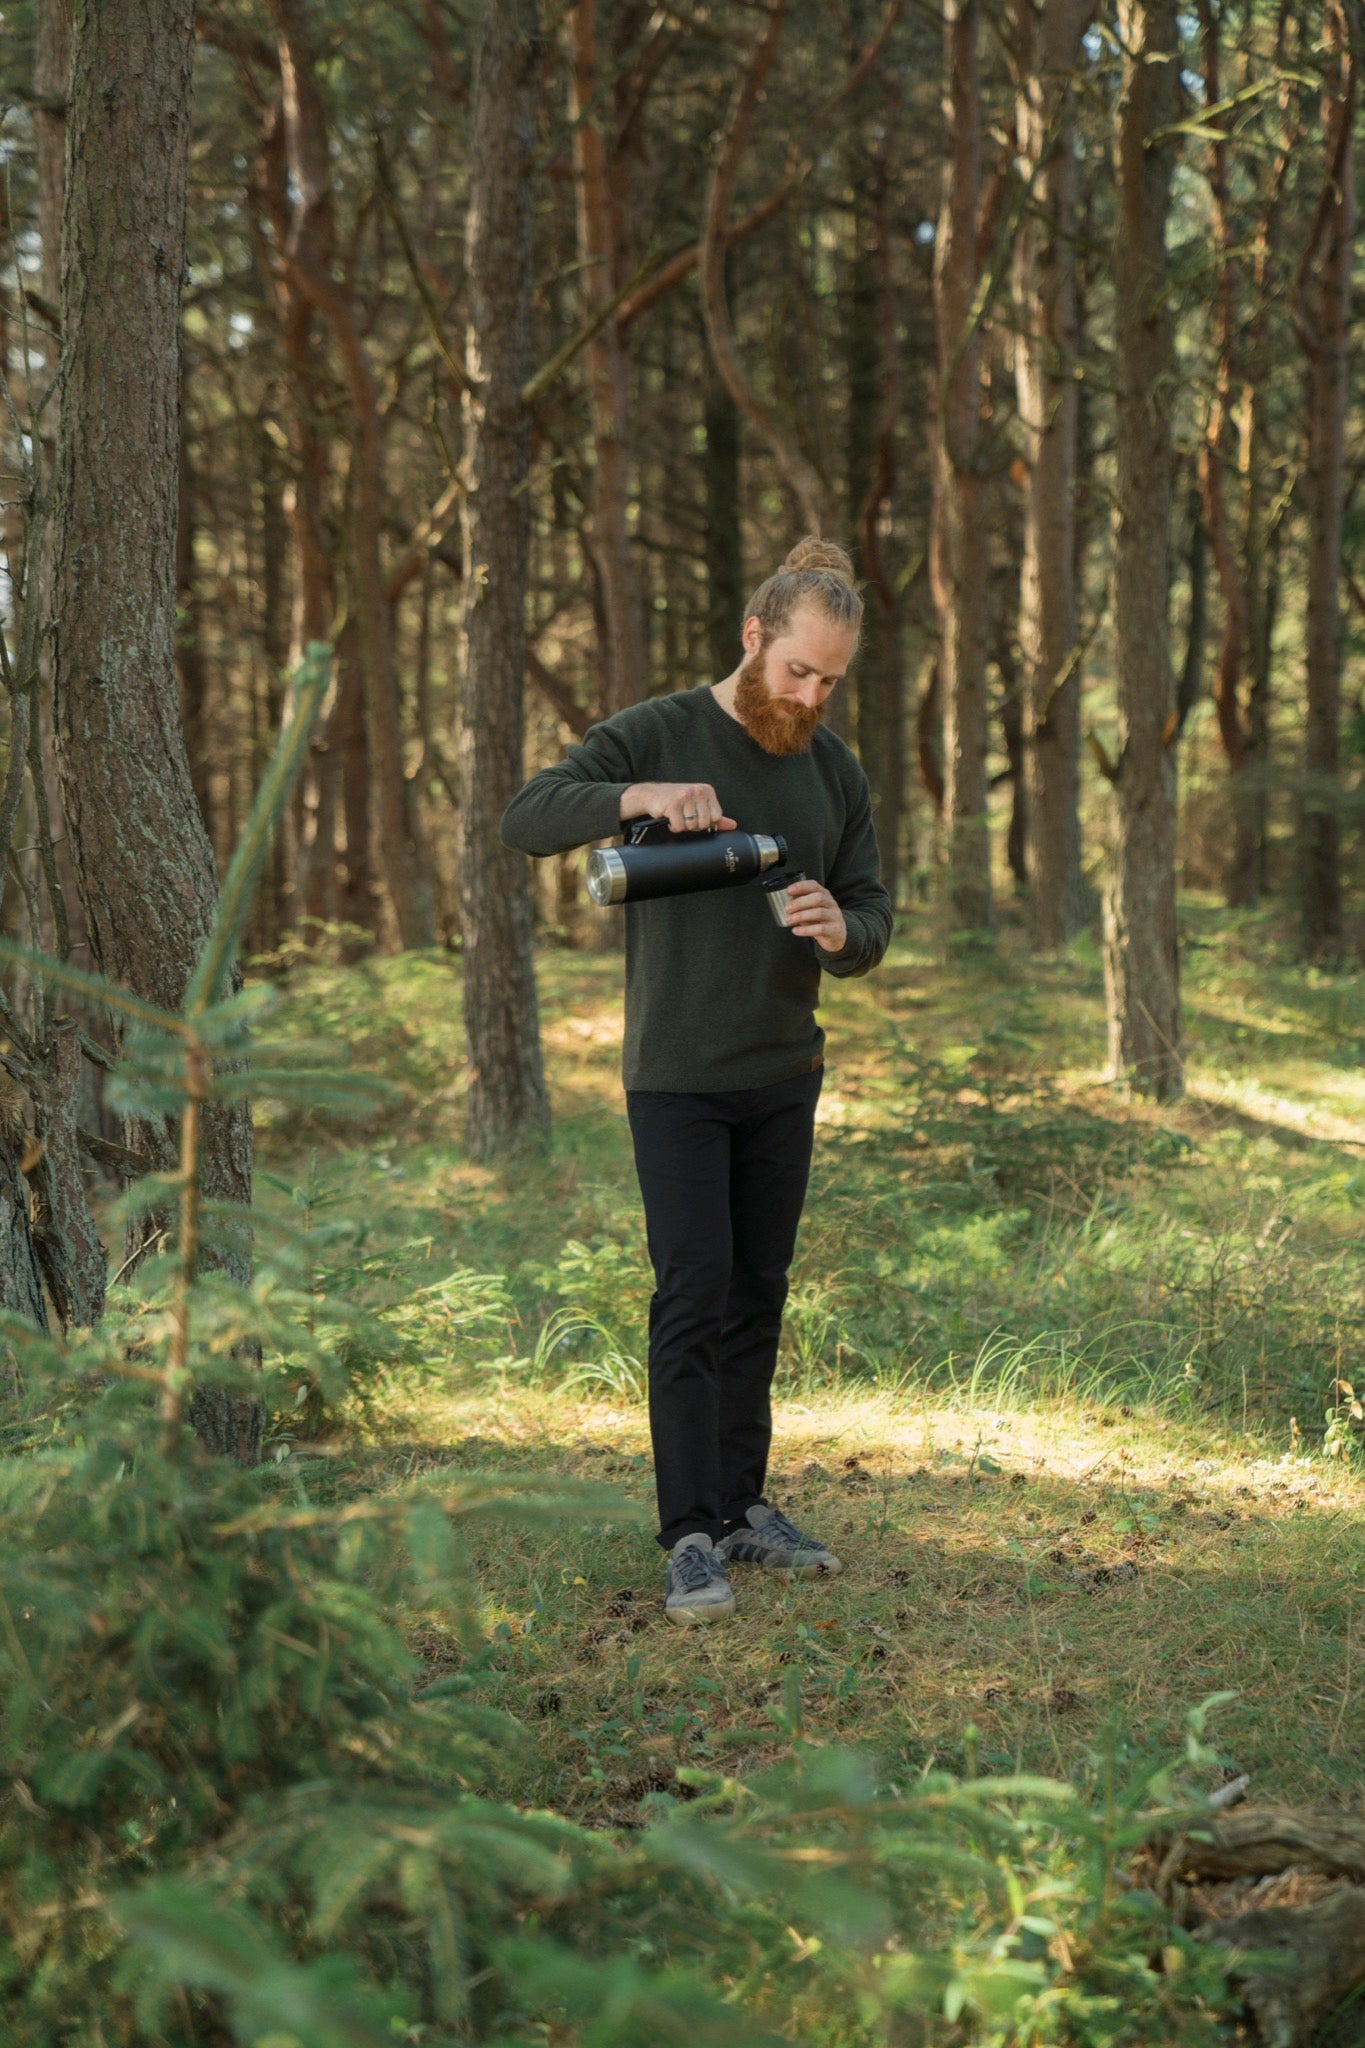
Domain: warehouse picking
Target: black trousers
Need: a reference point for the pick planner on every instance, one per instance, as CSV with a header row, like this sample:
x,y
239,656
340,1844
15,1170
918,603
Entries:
x,y
723,1179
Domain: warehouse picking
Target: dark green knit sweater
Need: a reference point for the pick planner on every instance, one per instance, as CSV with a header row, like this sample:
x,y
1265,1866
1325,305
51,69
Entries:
x,y
718,995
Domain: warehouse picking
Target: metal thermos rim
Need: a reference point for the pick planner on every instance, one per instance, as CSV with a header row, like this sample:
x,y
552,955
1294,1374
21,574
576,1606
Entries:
x,y
770,851
606,877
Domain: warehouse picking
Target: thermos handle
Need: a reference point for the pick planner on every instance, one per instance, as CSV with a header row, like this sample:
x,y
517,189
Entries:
x,y
658,832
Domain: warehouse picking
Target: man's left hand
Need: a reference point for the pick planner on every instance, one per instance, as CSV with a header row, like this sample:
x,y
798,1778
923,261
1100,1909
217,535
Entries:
x,y
814,914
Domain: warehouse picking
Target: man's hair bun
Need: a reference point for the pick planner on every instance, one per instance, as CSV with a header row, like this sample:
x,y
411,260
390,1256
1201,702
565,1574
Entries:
x,y
812,553
816,572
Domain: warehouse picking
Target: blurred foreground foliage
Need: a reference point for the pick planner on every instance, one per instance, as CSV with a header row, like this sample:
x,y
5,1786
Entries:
x,y
235,1812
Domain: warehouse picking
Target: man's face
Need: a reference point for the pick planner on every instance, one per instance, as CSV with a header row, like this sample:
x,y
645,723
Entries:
x,y
783,688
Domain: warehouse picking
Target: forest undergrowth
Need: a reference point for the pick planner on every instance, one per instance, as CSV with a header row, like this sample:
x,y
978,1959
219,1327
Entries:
x,y
388,1741
1067,1380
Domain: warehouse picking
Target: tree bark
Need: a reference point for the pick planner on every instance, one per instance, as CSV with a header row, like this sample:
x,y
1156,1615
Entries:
x,y
1012,731
1235,441
355,888
1323,318
143,860
402,850
271,916
723,540
963,581
508,1103
1262,527
1257,1841
1142,972
305,218
874,410
72,1258
1298,1968
51,83
1190,680
601,238
189,650
21,1275
1045,356
1227,338
929,735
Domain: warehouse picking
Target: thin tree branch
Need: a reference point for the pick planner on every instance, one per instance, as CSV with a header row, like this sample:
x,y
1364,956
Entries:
x,y
678,267
808,485
557,695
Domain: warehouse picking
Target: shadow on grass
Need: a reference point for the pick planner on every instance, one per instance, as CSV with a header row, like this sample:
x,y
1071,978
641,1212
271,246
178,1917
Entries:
x,y
994,1619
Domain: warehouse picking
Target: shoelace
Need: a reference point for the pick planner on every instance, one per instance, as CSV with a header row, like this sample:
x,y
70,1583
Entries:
x,y
696,1568
788,1531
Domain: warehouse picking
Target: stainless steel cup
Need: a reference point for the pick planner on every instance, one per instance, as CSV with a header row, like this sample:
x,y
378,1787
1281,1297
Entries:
x,y
775,888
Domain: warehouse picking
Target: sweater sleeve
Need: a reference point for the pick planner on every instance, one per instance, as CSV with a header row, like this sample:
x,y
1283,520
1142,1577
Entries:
x,y
855,883
576,801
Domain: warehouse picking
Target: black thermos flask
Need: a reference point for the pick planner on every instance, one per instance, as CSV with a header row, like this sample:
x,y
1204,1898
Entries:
x,y
655,861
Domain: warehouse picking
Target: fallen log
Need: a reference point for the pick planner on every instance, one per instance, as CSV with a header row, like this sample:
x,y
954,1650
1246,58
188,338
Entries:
x,y
1301,1969
1257,1841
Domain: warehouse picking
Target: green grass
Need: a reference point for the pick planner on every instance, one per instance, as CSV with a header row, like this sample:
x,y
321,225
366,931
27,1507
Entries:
x,y
1054,1381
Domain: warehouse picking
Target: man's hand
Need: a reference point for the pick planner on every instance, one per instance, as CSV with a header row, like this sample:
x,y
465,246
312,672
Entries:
x,y
688,806
814,914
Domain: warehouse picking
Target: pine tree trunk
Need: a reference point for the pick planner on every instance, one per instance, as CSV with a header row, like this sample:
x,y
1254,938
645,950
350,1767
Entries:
x,y
143,860
1261,527
1142,973
723,540
21,1276
1262,556
1048,48
862,382
1012,732
1236,343
304,216
960,498
600,237
402,851
271,917
72,1258
189,651
508,1104
51,82
874,408
1324,318
355,892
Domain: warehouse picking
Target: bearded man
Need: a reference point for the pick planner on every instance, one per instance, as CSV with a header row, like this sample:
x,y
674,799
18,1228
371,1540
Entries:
x,y
723,1054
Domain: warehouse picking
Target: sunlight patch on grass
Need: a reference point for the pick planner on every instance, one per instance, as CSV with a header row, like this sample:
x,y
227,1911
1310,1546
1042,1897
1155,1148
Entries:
x,y
600,1026
1309,1119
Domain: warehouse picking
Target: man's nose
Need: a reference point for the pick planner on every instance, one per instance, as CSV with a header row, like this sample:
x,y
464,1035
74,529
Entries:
x,y
810,694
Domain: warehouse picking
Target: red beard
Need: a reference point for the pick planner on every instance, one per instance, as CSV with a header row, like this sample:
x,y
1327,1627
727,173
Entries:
x,y
779,726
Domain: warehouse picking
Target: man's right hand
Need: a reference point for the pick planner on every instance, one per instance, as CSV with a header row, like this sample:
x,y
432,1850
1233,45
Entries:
x,y
688,806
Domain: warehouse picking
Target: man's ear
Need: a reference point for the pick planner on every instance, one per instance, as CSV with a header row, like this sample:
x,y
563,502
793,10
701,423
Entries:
x,y
752,636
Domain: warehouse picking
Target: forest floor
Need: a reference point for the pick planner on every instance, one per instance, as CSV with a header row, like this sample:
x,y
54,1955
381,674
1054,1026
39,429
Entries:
x,y
1055,1379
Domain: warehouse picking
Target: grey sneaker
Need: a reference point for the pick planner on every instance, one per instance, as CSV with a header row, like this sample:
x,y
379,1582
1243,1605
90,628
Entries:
x,y
697,1588
779,1546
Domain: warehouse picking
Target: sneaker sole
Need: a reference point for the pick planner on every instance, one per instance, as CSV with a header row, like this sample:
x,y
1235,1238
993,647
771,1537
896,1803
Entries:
x,y
686,1616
